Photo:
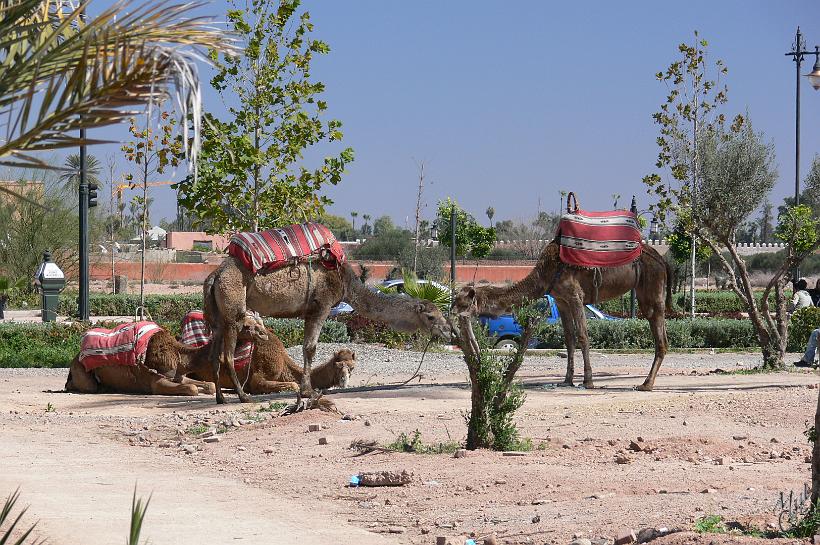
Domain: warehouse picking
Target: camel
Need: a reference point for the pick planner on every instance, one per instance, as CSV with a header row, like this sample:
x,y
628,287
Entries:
x,y
272,370
572,288
306,290
167,362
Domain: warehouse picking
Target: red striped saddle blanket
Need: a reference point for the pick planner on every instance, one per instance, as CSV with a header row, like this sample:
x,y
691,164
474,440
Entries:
x,y
599,239
124,345
196,333
269,250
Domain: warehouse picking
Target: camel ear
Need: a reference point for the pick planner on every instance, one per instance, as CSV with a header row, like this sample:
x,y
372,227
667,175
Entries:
x,y
352,355
470,292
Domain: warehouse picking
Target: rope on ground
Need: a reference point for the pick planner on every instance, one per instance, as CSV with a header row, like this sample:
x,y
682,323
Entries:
x,y
421,361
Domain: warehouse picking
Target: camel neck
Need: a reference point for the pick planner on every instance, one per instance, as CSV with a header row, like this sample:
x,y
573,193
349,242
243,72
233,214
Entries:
x,y
363,300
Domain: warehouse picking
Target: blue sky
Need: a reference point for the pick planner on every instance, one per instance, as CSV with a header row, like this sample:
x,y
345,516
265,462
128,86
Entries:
x,y
508,103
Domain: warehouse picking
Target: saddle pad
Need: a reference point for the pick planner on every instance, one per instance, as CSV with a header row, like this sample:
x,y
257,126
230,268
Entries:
x,y
599,239
275,248
196,333
124,345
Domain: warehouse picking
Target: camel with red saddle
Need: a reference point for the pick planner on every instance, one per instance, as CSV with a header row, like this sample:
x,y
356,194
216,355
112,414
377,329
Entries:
x,y
596,256
142,358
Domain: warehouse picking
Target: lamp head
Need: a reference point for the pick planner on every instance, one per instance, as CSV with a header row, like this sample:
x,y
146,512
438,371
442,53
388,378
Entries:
x,y
814,75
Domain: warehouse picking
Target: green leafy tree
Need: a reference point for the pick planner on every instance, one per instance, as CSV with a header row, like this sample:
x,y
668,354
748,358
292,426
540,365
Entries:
x,y
152,151
383,225
251,171
472,239
738,173
339,226
690,109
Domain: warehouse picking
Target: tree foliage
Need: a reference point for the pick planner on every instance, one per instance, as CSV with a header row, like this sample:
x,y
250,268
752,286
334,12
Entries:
x,y
472,240
252,175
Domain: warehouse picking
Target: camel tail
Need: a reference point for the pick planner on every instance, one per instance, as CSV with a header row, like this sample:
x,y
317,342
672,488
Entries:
x,y
670,279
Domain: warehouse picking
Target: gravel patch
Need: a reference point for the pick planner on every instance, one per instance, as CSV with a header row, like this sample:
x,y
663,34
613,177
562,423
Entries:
x,y
377,360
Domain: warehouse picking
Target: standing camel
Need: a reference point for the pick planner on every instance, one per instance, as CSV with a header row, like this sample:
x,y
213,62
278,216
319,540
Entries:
x,y
305,290
572,288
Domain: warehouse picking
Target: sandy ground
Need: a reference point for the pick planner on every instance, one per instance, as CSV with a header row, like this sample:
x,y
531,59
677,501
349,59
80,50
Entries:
x,y
711,444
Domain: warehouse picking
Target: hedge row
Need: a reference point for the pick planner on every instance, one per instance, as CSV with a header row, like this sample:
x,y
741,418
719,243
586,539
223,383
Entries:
x,y
55,345
712,302
635,334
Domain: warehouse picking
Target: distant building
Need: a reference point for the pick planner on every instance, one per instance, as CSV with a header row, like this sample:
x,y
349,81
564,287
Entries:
x,y
21,187
195,240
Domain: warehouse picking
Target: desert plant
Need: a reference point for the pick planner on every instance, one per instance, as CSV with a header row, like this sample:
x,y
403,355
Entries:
x,y
413,444
6,513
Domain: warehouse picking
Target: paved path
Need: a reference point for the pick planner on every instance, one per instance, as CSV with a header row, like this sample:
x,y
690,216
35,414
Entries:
x,y
79,487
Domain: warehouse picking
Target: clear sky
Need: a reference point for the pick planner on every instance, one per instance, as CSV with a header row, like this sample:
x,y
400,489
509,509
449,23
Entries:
x,y
508,103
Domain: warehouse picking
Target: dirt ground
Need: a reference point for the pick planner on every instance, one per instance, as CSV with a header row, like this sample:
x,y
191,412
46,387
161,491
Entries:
x,y
711,444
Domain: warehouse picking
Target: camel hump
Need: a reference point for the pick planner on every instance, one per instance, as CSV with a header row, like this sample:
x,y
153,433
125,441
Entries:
x,y
279,247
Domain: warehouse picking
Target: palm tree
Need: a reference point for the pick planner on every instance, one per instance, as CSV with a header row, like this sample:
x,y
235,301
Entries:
x,y
353,215
490,214
71,178
365,229
60,72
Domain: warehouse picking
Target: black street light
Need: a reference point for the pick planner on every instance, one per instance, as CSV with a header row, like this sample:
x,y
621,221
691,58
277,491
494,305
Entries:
x,y
797,53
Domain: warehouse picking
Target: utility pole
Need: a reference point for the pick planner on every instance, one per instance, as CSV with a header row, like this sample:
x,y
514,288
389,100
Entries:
x,y
84,269
634,209
453,248
418,216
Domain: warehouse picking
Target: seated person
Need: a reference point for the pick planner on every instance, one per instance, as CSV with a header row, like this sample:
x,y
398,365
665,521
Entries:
x,y
801,297
808,358
815,293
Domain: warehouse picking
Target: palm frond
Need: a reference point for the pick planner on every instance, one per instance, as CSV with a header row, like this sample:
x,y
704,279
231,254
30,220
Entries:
x,y
5,514
59,74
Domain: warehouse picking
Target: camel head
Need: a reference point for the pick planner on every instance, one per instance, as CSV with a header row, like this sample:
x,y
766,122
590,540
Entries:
x,y
253,329
344,361
464,303
432,320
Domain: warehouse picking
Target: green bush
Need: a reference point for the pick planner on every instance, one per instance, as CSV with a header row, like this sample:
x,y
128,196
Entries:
x,y
292,331
161,308
56,344
802,323
712,302
635,334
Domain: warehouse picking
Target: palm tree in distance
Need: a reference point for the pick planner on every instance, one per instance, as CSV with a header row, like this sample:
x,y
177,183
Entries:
x,y
61,72
366,227
71,178
490,213
353,215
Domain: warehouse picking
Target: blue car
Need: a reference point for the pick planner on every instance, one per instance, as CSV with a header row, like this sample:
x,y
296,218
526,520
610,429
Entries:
x,y
507,330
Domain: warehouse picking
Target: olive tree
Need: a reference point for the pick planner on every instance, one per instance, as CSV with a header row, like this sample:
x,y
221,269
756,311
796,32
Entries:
x,y
738,172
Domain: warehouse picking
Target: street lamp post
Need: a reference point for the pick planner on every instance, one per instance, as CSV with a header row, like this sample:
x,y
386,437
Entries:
x,y
797,53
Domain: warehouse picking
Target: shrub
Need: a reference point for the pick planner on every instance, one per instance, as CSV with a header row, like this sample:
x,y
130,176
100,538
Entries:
x,y
364,330
56,344
712,302
802,323
635,334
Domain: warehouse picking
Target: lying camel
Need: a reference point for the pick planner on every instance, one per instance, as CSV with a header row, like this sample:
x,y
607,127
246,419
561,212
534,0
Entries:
x,y
272,370
163,372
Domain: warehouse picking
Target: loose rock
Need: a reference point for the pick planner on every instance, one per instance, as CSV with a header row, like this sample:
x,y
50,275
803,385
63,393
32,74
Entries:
x,y
624,537
385,478
460,453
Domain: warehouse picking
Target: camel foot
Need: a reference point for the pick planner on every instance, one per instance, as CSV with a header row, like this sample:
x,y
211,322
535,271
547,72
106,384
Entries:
x,y
566,384
220,399
208,388
644,387
589,385
245,398
305,402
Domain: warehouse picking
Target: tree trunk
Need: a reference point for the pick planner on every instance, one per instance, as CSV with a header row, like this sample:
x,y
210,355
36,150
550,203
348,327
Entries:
x,y
774,353
478,427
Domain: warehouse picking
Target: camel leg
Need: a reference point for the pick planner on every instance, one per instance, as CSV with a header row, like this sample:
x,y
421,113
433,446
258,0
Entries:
x,y
216,345
164,386
657,323
308,398
569,341
229,338
262,386
80,380
201,385
582,336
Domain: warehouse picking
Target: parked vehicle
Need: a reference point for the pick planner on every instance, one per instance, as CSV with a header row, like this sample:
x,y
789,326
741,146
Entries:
x,y
507,330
